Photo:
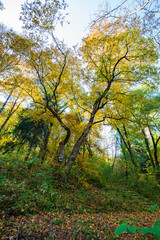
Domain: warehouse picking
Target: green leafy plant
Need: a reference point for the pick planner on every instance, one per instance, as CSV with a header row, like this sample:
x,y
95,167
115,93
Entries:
x,y
155,229
153,208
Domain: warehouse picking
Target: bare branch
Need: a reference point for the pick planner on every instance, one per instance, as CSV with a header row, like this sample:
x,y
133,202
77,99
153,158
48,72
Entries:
x,y
105,15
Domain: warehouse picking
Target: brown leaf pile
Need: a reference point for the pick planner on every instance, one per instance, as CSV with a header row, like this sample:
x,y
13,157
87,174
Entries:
x,y
54,225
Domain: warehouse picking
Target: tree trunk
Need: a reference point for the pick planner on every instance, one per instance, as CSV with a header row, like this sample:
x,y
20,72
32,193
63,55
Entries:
x,y
127,144
11,112
125,158
62,144
89,149
148,148
155,143
96,106
5,103
75,150
115,154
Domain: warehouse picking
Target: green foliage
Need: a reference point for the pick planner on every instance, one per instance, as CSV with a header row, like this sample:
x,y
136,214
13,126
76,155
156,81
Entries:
x,y
26,191
121,229
29,191
91,171
155,229
27,127
153,208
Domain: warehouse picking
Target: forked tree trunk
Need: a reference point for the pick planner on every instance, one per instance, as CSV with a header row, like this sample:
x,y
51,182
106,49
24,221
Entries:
x,y
155,146
61,150
75,150
96,106
148,148
62,144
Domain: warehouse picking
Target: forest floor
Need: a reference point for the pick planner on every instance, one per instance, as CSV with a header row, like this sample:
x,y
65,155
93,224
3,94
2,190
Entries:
x,y
88,220
63,226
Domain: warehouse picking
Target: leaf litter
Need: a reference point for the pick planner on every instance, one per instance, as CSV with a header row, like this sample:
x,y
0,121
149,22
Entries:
x,y
61,225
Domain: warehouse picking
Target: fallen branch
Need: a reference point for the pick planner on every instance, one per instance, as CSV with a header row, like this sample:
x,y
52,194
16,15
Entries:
x,y
19,227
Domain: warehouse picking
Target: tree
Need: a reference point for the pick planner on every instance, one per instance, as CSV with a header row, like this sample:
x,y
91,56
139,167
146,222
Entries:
x,y
31,131
11,111
10,73
138,114
147,117
9,59
125,138
112,59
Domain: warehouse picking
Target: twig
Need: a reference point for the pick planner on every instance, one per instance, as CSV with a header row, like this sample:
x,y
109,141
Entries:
x,y
18,232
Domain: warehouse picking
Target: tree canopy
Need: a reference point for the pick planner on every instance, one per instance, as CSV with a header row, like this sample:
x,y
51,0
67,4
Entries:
x,y
73,92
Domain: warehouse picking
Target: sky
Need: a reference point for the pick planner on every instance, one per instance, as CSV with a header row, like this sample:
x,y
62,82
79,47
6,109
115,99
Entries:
x,y
81,12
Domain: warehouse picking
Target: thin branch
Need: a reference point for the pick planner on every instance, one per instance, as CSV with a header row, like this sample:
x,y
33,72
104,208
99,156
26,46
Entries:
x,y
118,61
105,15
54,39
108,14
98,68
40,79
59,79
78,103
142,7
99,121
157,140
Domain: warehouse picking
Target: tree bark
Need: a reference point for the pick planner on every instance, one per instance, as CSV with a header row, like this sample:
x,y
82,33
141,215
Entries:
x,y
155,144
148,148
5,103
62,144
75,150
11,112
125,158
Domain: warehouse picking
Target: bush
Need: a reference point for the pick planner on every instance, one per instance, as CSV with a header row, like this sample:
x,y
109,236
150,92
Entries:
x,y
92,170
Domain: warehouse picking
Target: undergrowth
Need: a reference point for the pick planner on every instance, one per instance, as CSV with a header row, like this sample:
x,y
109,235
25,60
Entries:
x,y
24,191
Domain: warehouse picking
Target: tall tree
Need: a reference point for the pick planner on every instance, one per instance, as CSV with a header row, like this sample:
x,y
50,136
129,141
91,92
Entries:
x,y
113,62
141,119
113,57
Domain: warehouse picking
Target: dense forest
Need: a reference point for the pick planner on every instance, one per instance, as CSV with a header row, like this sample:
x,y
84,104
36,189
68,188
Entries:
x,y
58,178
